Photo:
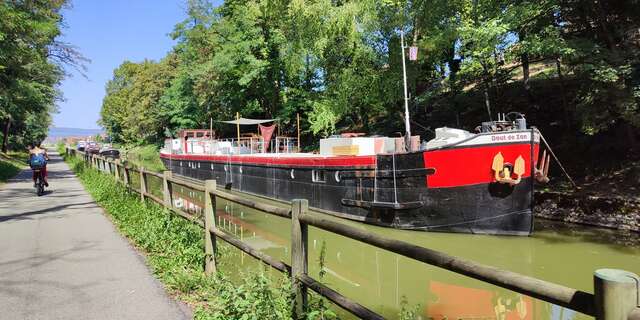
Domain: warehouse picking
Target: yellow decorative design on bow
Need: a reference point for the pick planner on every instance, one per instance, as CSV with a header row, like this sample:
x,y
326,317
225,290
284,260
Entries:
x,y
502,172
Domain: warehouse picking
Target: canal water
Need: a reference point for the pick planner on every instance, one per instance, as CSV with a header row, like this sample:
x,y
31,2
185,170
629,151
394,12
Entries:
x,y
384,281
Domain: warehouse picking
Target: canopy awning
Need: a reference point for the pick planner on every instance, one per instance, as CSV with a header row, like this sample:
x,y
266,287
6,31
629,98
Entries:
x,y
245,121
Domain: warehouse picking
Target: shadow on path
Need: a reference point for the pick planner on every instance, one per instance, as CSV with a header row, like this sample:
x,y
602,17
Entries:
x,y
28,214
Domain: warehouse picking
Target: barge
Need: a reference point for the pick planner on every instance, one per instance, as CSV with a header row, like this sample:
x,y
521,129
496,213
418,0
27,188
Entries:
x,y
465,182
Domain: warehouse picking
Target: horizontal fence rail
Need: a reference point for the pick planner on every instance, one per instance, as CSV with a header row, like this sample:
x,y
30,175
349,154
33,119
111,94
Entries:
x,y
614,297
543,290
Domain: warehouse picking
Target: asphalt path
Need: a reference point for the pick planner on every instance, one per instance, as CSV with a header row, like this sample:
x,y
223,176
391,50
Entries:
x,y
61,258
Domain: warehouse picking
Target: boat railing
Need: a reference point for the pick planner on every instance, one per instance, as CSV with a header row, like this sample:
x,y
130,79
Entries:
x,y
616,292
244,145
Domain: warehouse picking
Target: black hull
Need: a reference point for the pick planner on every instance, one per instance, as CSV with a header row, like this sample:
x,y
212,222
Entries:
x,y
115,154
486,208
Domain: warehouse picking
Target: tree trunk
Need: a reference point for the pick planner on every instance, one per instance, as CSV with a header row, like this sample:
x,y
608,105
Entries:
x,y
526,78
603,23
308,75
5,136
454,67
525,71
488,80
632,137
487,102
565,108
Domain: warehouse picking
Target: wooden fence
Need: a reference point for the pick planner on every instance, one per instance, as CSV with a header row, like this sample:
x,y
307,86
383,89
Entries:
x,y
616,292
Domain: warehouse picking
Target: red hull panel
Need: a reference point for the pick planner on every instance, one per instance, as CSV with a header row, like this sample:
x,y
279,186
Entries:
x,y
472,165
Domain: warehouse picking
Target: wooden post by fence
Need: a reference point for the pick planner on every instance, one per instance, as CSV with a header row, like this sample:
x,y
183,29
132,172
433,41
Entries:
x,y
125,175
143,184
166,188
117,169
299,254
617,294
209,222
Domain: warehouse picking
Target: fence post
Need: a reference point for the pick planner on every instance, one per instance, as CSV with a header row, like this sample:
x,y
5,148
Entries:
x,y
117,169
209,222
125,175
166,188
299,254
616,294
143,184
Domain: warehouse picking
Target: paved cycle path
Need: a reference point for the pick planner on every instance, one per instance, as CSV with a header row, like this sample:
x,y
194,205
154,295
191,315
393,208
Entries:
x,y
61,258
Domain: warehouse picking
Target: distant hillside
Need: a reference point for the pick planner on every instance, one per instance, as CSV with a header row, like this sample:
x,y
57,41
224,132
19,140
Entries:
x,y
55,133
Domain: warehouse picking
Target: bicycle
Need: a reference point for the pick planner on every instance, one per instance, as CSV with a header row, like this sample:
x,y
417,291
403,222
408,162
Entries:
x,y
39,182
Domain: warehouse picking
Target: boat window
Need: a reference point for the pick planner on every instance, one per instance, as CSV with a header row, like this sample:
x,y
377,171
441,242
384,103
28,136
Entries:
x,y
212,166
318,176
337,176
293,176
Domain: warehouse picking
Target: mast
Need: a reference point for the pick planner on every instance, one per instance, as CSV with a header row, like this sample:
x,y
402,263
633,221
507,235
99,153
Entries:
x,y
211,128
298,128
407,125
238,126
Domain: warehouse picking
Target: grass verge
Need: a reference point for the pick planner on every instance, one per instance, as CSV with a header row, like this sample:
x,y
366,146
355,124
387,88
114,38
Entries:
x,y
175,252
144,156
11,163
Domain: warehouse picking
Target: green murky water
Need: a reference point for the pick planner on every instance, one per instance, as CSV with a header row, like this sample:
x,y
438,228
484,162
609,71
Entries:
x,y
380,280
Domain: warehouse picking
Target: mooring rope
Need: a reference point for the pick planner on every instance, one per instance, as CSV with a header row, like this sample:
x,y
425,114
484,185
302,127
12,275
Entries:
x,y
556,158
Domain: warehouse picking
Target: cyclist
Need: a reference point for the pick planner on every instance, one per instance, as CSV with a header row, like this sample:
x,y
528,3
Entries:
x,y
38,155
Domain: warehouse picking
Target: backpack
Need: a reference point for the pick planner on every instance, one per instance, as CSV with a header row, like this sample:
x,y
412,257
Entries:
x,y
38,161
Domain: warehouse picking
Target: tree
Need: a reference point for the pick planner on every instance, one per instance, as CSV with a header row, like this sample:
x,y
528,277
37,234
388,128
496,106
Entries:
x,y
131,110
339,64
31,66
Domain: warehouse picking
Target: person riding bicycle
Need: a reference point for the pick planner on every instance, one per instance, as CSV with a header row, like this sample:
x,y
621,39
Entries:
x,y
38,159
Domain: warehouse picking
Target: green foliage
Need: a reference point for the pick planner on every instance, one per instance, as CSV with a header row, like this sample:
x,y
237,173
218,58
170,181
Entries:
x,y
144,156
131,110
257,297
408,313
10,164
174,248
338,64
318,308
31,67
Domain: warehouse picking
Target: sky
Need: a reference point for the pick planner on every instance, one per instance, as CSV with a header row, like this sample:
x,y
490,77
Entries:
x,y
109,32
